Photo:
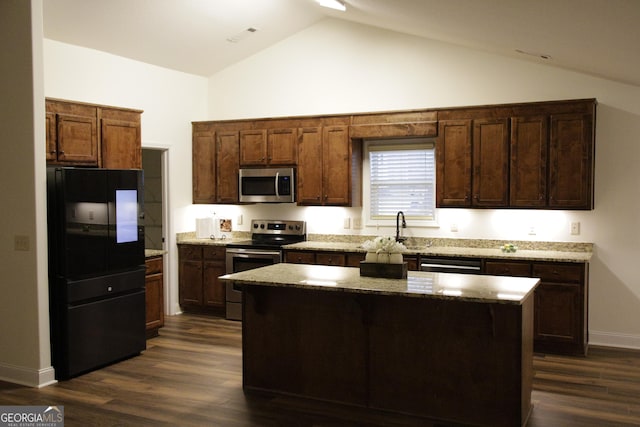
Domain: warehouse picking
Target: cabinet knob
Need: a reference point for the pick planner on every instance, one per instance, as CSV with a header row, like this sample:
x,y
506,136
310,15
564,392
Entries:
x,y
62,152
52,152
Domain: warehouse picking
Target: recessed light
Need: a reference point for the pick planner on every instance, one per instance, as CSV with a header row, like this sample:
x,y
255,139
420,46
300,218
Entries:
x,y
539,55
333,4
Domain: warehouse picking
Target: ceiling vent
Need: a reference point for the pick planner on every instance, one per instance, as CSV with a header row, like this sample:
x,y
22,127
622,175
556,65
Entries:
x,y
242,35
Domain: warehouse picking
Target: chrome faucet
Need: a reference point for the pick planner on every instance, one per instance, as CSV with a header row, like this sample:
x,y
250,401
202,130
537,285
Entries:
x,y
400,238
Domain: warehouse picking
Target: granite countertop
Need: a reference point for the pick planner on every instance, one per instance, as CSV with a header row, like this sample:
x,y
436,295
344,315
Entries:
x,y
150,253
455,251
460,287
472,248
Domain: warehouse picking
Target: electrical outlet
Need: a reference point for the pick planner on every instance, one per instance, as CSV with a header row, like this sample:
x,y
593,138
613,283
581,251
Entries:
x,y
239,220
357,223
347,223
532,231
21,243
575,228
454,228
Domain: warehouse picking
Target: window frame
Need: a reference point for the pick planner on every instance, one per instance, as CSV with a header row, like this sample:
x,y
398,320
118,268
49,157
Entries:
x,y
409,143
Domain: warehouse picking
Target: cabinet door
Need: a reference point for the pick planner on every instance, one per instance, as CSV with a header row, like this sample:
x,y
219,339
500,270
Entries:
x,y
300,257
529,146
354,258
309,172
203,167
503,268
571,161
190,275
77,140
336,164
154,301
253,147
51,137
331,258
453,164
490,163
282,147
214,267
227,165
120,144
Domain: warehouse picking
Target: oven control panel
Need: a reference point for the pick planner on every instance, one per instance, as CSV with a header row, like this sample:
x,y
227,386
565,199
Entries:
x,y
269,226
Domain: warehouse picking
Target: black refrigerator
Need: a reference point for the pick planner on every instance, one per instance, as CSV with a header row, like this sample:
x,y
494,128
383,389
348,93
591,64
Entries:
x,y
96,267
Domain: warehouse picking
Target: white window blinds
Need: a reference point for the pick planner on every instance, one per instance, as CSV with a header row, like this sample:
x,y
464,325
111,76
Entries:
x,y
402,178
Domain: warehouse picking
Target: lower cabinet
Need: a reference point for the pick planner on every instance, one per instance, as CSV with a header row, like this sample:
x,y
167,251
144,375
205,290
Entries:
x,y
343,259
154,297
199,269
561,301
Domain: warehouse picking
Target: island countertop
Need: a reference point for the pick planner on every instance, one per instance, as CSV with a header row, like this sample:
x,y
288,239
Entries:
x,y
462,287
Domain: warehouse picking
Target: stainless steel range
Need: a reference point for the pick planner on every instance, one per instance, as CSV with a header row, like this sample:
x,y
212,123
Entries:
x,y
265,248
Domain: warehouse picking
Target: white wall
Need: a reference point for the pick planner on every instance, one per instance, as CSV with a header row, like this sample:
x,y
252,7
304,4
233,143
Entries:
x,y
170,100
338,67
24,320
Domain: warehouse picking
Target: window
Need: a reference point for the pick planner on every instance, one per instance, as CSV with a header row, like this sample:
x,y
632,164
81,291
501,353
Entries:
x,y
399,176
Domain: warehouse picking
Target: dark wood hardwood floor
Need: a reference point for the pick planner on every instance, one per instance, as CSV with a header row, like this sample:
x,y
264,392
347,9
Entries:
x,y
191,375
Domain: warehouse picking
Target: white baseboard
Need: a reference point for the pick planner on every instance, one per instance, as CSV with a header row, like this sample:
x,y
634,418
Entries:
x,y
27,376
613,339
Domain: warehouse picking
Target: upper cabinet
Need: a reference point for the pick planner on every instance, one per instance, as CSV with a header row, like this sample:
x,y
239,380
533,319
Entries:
x,y
537,155
272,147
530,156
79,134
71,133
216,154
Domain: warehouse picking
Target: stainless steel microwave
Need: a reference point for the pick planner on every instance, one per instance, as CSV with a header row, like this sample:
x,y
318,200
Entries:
x,y
267,185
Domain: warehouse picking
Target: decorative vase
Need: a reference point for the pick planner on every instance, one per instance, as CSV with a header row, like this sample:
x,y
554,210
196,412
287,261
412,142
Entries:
x,y
383,258
395,258
371,257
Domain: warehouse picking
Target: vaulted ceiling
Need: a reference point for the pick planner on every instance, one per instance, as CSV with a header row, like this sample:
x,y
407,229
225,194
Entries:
x,y
596,37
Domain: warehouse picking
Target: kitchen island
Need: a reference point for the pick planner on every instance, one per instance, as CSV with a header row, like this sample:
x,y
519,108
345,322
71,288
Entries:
x,y
450,347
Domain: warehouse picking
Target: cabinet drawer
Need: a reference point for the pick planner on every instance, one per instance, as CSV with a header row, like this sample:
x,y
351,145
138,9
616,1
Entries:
x,y
191,252
561,273
300,257
153,265
330,258
214,252
518,269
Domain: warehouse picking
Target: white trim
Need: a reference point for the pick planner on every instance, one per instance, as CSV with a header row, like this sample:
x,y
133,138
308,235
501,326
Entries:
x,y
614,339
27,376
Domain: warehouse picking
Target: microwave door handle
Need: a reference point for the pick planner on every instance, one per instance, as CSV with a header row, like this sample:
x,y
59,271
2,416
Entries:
x,y
277,179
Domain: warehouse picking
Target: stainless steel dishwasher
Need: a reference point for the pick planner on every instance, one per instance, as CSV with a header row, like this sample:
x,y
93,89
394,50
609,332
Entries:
x,y
451,265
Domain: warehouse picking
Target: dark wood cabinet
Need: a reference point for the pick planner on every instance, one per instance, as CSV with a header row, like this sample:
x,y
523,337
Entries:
x,y
120,139
331,258
571,161
300,257
453,163
154,297
561,305
79,134
344,259
528,173
215,155
326,162
72,133
490,161
199,269
268,147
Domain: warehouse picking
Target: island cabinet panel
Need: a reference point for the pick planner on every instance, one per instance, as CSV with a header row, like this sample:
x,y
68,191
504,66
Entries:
x,y
472,363
304,343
